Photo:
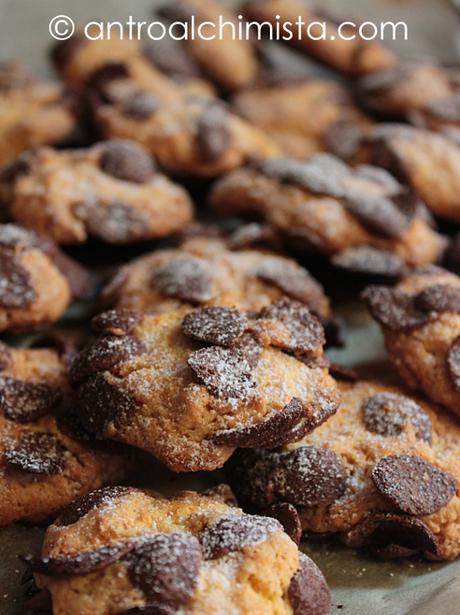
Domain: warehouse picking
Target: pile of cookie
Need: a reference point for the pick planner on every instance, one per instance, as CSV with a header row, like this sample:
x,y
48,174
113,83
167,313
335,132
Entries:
x,y
208,350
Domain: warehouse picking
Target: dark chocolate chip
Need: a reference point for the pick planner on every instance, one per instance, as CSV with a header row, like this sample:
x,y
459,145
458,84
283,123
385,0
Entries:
x,y
171,58
127,160
213,136
393,536
309,476
101,401
293,280
101,77
37,453
116,322
446,109
453,363
215,325
63,51
412,484
140,105
24,401
341,372
274,430
100,497
387,414
342,138
394,308
308,591
185,278
250,348
105,353
114,222
15,287
254,234
5,356
234,532
19,167
305,332
166,569
225,372
289,518
370,261
439,298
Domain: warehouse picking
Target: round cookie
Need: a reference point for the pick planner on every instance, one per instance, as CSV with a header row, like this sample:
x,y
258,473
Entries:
x,y
237,275
42,466
304,118
420,321
122,550
33,112
37,280
190,386
361,218
111,191
382,473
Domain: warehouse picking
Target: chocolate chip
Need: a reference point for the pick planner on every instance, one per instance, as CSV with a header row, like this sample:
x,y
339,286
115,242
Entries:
x,y
453,363
63,51
114,222
439,298
213,136
341,372
289,518
275,429
105,353
185,278
251,350
308,591
412,484
234,532
301,332
100,401
15,287
446,109
127,160
254,234
370,261
116,322
82,562
101,77
171,58
167,568
140,105
309,476
24,401
84,284
387,414
81,507
215,325
5,356
343,138
37,453
393,536
19,167
394,308
293,280
225,372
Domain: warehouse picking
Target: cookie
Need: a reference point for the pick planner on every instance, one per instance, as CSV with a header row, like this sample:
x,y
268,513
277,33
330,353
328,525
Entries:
x,y
427,161
122,550
420,321
227,60
191,136
407,91
43,464
111,191
244,277
190,386
33,113
37,280
382,473
305,117
354,56
361,218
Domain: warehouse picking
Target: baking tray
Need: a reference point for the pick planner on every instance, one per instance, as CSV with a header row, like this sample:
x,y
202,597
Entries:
x,y
360,585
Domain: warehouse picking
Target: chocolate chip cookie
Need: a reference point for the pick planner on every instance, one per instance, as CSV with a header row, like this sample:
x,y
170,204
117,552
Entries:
x,y
190,386
304,118
420,320
111,191
382,473
362,218
123,550
247,278
348,53
45,461
37,280
33,112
